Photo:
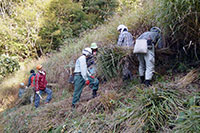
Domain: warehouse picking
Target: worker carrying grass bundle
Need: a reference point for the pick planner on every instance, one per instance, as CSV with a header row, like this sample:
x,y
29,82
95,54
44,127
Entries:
x,y
150,39
40,86
125,40
21,90
82,77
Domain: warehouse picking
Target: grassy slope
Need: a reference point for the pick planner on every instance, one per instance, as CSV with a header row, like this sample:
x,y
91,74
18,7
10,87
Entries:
x,y
109,112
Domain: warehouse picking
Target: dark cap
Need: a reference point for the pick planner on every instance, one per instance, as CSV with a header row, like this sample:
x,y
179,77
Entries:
x,y
32,71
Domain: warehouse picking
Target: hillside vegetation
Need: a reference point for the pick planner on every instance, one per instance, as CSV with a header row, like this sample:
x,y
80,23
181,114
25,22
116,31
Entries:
x,y
172,104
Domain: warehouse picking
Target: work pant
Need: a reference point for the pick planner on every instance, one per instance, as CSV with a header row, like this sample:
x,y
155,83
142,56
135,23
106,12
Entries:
x,y
48,99
79,84
147,64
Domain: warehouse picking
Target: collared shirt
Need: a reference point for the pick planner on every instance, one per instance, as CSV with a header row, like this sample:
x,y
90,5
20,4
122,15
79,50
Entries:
x,y
81,67
125,39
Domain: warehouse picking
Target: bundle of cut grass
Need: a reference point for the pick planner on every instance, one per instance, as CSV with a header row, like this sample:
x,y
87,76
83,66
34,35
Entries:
x,y
106,102
152,111
188,79
111,59
26,98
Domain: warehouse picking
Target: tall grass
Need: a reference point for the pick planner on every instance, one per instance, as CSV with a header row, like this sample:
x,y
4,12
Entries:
x,y
152,111
181,23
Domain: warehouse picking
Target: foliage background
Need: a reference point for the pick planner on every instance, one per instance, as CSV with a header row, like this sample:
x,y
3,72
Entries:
x,y
32,28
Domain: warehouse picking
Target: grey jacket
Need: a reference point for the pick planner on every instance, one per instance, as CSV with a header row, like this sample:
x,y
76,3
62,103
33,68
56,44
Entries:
x,y
154,36
125,39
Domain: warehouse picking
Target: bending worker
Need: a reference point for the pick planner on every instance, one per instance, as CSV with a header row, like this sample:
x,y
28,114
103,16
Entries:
x,y
125,39
82,77
147,61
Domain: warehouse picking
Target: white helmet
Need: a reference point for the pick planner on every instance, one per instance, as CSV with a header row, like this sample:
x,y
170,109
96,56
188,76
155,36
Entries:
x,y
122,27
22,84
155,29
87,51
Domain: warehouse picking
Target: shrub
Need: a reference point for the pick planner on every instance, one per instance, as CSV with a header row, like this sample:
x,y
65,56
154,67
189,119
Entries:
x,y
8,65
180,20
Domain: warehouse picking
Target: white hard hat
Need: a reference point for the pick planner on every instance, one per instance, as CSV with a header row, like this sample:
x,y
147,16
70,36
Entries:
x,y
22,84
87,51
122,27
155,29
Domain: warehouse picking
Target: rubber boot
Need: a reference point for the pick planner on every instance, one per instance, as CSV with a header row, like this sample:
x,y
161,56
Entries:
x,y
73,106
94,93
147,83
142,79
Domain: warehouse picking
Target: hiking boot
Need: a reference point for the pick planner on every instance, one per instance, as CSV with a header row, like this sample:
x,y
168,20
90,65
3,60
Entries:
x,y
94,93
147,83
142,79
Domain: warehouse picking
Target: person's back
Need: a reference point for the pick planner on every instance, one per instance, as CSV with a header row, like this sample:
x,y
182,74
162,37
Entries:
x,y
40,80
155,37
147,60
31,80
125,39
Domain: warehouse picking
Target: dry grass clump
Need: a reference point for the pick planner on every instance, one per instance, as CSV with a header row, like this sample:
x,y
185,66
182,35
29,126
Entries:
x,y
111,60
105,102
25,99
188,79
150,112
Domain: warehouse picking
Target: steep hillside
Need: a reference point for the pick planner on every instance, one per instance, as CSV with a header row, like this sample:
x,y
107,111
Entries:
x,y
170,105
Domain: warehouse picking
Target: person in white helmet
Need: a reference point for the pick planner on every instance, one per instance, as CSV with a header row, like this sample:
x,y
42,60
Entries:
x,y
125,38
82,77
21,90
147,61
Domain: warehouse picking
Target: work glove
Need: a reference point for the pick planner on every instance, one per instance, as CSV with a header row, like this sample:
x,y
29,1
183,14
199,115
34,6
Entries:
x,y
87,82
92,77
38,92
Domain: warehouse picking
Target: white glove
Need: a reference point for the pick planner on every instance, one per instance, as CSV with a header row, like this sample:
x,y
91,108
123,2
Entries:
x,y
38,92
26,87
